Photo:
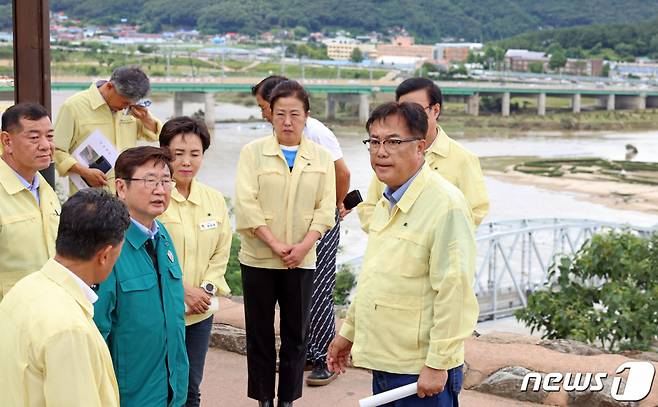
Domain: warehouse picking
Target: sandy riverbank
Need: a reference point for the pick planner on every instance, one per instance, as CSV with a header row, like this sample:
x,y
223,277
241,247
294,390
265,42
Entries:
x,y
637,197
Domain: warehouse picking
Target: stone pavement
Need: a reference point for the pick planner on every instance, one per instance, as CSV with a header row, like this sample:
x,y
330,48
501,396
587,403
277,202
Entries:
x,y
225,378
225,385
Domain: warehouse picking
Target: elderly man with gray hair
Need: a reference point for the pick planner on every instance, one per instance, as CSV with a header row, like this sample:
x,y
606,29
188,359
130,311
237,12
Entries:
x,y
99,109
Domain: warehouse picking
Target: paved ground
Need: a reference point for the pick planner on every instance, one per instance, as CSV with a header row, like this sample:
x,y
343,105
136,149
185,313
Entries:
x,y
225,385
225,377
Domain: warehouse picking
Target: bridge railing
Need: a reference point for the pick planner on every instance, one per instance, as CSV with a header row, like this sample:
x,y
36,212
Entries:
x,y
514,257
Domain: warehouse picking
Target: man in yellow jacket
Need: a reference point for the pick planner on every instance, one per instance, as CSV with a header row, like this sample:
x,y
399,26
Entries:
x,y
101,107
51,353
29,207
414,304
443,155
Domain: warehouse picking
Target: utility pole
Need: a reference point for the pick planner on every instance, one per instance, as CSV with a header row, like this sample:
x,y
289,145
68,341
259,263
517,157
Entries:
x,y
223,66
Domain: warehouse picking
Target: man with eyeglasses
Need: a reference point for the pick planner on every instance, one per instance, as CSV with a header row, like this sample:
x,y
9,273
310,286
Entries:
x,y
111,107
140,310
443,155
414,305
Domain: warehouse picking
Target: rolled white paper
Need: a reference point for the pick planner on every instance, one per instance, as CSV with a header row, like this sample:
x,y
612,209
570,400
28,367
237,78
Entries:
x,y
389,396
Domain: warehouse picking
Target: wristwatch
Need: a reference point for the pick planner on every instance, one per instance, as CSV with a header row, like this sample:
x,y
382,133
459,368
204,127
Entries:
x,y
209,287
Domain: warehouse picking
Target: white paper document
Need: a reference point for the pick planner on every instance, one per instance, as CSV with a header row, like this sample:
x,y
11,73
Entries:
x,y
95,152
389,396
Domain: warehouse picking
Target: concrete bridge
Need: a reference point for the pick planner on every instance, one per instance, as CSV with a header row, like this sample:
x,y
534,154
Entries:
x,y
359,92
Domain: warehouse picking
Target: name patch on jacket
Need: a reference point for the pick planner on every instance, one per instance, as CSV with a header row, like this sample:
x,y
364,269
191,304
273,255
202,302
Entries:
x,y
211,224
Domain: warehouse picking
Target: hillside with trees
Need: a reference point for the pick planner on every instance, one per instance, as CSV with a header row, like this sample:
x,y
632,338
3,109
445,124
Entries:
x,y
608,41
428,20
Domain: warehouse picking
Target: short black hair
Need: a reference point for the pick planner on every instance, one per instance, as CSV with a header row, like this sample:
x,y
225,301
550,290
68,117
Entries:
x,y
413,84
11,118
90,220
183,125
264,88
412,113
287,89
134,157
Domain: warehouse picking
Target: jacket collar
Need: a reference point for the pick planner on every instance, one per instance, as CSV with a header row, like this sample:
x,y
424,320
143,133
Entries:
x,y
441,145
272,148
195,194
10,181
137,238
96,100
413,192
59,274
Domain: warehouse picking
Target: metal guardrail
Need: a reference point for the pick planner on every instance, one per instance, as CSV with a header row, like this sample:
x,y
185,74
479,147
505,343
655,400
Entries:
x,y
514,257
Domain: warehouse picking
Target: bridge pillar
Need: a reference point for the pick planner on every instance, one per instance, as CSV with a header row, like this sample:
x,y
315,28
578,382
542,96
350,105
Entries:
x,y
209,111
611,102
473,105
575,103
330,107
541,104
505,104
652,102
634,102
364,107
179,100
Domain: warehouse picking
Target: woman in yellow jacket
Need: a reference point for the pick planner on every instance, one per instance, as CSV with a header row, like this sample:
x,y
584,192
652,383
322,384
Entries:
x,y
285,200
197,221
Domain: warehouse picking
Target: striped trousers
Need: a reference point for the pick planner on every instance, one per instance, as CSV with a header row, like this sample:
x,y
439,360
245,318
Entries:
x,y
322,326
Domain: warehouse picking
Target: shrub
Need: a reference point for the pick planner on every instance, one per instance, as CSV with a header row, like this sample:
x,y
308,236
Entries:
x,y
605,294
345,281
233,275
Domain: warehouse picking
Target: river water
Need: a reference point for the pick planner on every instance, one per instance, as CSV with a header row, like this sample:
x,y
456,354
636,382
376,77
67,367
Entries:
x,y
508,201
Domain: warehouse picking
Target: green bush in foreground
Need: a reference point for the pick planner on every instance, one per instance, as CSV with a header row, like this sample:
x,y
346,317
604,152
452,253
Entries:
x,y
345,281
606,294
233,275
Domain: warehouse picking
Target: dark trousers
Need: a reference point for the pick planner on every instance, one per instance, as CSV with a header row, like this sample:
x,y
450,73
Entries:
x,y
322,327
197,338
449,397
263,288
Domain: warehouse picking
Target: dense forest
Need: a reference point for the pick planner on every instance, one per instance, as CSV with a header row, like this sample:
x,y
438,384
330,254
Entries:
x,y
429,20
608,41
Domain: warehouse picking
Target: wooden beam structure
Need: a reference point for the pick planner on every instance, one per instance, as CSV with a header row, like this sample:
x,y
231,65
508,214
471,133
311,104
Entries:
x,y
32,57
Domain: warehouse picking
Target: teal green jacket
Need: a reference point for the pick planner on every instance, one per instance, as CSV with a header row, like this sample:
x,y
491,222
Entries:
x,y
140,313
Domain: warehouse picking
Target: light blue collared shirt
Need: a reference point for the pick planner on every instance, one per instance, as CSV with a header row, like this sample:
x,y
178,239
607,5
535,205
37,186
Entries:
x,y
148,232
395,196
33,187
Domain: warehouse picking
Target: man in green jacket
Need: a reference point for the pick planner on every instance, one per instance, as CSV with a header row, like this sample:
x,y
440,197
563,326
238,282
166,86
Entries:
x,y
140,311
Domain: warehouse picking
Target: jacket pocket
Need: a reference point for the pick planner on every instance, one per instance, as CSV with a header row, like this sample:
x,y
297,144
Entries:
x,y
141,283
418,254
395,327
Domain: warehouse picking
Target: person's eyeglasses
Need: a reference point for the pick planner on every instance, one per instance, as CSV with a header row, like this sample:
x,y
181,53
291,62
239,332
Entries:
x,y
152,183
390,145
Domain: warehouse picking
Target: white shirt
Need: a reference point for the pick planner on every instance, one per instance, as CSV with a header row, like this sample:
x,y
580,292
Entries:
x,y
89,293
322,135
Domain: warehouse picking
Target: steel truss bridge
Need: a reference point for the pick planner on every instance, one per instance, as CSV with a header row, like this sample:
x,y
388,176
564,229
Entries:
x,y
514,257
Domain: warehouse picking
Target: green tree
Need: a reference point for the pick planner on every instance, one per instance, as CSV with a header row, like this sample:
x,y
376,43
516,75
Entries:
x,y
605,71
606,293
536,67
357,55
557,60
